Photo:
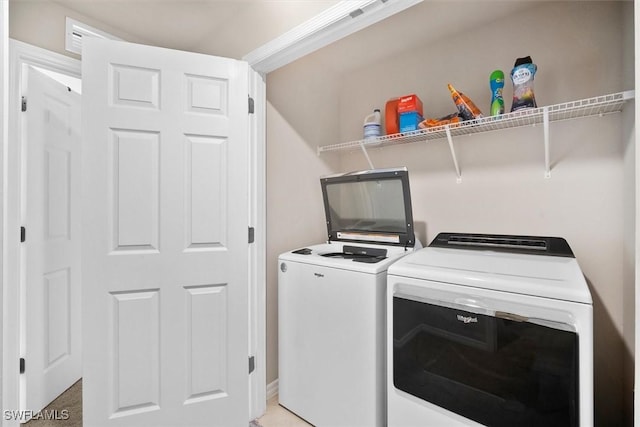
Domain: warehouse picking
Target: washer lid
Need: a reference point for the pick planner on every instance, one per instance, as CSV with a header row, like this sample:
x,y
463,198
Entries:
x,y
372,206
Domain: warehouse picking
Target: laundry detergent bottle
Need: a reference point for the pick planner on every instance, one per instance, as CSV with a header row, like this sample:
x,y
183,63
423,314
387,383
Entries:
x,y
496,83
522,76
372,125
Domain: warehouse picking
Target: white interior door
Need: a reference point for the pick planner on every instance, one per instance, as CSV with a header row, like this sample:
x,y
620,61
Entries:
x,y
165,216
50,303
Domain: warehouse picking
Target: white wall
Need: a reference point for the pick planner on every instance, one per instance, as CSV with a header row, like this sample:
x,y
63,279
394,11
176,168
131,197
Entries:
x,y
579,49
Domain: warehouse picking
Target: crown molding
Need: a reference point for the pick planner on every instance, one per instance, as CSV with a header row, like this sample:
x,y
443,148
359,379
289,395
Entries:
x,y
344,18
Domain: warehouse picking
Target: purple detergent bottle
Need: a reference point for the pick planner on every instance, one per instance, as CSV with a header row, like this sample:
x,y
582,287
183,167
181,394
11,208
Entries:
x,y
522,76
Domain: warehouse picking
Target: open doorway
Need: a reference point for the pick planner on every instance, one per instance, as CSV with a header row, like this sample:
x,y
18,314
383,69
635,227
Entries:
x,y
45,168
50,283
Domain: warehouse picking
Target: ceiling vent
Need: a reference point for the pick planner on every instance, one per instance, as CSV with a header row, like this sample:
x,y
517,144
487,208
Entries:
x,y
76,31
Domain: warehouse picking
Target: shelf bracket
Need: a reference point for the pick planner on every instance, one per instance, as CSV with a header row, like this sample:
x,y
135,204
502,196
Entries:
x,y
547,162
447,129
364,150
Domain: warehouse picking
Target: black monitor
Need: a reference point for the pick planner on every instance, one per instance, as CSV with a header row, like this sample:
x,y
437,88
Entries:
x,y
372,206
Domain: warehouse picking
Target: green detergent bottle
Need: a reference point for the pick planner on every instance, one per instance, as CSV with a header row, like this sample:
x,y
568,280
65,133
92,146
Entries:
x,y
496,83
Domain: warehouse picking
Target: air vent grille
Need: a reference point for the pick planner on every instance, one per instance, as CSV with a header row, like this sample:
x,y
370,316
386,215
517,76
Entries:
x,y
553,246
503,242
76,30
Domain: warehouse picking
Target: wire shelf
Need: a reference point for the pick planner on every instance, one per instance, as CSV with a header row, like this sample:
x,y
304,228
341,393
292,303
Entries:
x,y
597,106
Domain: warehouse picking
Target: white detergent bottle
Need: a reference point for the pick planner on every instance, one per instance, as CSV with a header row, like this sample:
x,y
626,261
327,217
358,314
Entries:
x,y
372,125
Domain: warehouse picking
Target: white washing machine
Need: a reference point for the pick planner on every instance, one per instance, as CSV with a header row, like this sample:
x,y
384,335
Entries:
x,y
331,302
489,330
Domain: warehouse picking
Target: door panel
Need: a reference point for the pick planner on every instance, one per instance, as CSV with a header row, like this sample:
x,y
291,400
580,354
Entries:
x,y
136,182
206,338
137,350
206,184
165,248
51,310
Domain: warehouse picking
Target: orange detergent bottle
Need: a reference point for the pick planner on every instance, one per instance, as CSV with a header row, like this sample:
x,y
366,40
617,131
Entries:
x,y
466,107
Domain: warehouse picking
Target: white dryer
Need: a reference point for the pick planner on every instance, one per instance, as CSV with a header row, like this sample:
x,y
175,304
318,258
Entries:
x,y
489,330
331,302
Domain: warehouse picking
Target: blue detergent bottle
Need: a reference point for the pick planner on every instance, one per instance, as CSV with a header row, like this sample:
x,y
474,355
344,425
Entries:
x,y
496,83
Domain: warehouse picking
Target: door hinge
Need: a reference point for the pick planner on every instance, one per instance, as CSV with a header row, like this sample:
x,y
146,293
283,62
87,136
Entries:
x,y
252,106
24,104
22,365
252,235
252,364
23,234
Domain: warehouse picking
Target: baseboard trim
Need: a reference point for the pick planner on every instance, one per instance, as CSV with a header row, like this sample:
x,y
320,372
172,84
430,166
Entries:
x,y
272,389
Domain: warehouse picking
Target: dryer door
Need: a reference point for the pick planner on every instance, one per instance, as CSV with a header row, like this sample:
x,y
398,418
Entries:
x,y
499,369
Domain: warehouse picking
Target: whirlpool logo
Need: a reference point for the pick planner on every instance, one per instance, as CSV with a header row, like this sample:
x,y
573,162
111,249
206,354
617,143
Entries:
x,y
466,319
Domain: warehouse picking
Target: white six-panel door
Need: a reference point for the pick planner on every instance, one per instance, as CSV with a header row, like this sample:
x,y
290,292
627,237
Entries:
x,y
165,190
50,309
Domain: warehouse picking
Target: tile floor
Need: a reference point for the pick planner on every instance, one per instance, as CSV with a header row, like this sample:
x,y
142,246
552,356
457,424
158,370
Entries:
x,y
277,416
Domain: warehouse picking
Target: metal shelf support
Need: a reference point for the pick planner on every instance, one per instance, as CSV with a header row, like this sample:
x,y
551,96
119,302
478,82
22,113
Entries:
x,y
366,155
547,161
453,154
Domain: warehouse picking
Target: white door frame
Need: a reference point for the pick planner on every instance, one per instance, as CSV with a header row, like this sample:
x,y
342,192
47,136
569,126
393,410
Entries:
x,y
258,250
4,141
22,55
636,386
